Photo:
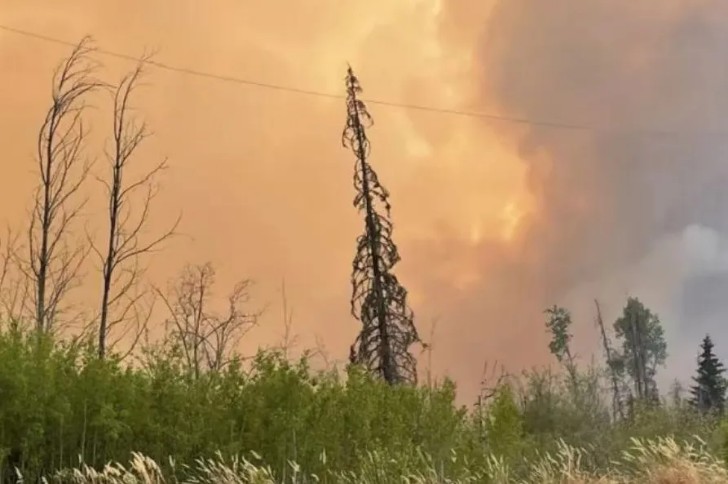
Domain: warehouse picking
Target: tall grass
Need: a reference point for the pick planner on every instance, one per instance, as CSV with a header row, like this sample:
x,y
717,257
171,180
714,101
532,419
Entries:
x,y
660,461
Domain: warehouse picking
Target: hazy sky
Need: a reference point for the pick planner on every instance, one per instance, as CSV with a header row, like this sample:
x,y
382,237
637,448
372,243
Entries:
x,y
494,220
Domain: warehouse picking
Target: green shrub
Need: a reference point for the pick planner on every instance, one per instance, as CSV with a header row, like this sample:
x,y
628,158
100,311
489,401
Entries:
x,y
61,408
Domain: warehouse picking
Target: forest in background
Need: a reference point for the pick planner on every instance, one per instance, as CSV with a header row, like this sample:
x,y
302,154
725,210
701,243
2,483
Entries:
x,y
88,390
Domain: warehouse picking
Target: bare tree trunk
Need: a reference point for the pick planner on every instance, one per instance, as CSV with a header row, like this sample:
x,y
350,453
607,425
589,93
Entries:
x,y
638,363
52,266
572,371
6,260
289,340
616,397
121,271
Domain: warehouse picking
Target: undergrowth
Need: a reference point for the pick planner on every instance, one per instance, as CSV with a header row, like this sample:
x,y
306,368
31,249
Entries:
x,y
65,415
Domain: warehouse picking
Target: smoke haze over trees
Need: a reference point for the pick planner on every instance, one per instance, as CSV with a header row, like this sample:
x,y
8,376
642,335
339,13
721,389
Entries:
x,y
596,197
600,176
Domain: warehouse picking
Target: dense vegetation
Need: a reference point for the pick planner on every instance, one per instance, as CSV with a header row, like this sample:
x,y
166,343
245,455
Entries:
x,y
60,405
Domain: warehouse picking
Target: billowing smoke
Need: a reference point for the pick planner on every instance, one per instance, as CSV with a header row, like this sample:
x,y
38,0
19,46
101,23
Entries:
x,y
638,204
633,206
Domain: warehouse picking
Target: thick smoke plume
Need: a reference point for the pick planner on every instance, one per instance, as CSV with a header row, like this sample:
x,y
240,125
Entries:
x,y
638,204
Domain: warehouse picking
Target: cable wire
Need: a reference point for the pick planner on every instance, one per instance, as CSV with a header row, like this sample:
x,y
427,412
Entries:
x,y
436,110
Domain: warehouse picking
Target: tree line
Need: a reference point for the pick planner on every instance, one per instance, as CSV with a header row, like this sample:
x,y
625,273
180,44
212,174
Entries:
x,y
633,362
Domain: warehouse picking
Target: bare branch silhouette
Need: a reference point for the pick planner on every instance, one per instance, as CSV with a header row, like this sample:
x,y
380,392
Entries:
x,y
122,270
52,264
13,287
427,347
490,383
289,339
617,403
206,340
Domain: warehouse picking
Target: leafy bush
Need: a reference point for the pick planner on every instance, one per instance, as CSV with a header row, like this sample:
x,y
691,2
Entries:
x,y
63,408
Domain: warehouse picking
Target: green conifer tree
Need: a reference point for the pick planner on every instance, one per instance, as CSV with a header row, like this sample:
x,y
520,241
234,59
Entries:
x,y
708,393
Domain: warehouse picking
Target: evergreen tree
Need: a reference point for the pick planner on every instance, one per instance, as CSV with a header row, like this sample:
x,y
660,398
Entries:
x,y
708,394
378,299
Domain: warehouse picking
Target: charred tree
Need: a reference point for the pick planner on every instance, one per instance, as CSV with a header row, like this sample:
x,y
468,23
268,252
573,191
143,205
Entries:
x,y
378,300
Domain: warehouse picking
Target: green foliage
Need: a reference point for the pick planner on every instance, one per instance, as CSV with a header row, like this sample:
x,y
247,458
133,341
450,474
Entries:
x,y
61,407
708,394
643,348
59,404
504,425
558,324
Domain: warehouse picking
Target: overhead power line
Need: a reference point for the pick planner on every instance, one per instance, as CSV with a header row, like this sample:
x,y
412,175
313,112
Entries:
x,y
432,109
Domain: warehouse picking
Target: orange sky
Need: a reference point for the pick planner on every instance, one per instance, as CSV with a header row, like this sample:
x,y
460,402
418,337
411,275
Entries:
x,y
265,187
259,175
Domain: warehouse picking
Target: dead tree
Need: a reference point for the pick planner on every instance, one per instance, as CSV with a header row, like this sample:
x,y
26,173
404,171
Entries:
x,y
289,340
124,248
490,383
53,265
378,299
205,339
6,260
427,347
617,409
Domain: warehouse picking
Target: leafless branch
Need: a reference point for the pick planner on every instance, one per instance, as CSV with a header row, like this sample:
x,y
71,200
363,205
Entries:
x,y
490,383
13,288
206,340
122,271
52,265
289,340
321,351
427,347
617,404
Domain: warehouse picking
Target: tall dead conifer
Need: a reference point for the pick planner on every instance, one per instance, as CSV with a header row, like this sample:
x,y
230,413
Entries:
x,y
378,299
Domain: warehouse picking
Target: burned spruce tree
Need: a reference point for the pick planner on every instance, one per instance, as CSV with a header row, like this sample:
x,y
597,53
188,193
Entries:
x,y
378,300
